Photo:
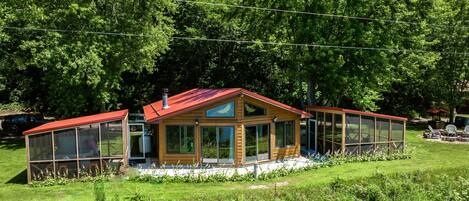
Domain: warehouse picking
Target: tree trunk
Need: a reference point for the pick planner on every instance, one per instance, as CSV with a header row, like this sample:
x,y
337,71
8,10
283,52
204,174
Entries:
x,y
310,92
452,114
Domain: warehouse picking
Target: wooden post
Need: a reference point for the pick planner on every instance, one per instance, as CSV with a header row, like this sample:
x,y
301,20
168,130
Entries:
x,y
125,138
333,129
404,137
389,136
375,145
161,141
78,153
100,149
28,159
52,134
324,131
343,132
359,134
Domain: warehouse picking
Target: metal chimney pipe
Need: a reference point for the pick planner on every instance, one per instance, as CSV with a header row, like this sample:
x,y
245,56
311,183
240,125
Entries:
x,y
165,98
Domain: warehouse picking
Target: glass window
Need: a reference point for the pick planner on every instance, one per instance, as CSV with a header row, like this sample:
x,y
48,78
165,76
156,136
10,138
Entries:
x,y
397,131
40,147
217,144
382,129
180,139
320,129
285,133
328,133
111,139
225,110
337,128
226,144
65,144
250,144
88,141
253,110
280,134
352,129
368,129
209,145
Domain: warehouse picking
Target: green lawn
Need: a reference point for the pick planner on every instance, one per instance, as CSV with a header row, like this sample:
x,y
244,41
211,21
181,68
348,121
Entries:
x,y
427,156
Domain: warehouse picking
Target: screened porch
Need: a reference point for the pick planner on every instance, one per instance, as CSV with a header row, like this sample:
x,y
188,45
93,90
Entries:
x,y
337,130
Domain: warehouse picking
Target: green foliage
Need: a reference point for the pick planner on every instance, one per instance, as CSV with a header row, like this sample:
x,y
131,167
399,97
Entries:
x,y
14,107
81,72
99,193
69,74
50,181
420,185
317,161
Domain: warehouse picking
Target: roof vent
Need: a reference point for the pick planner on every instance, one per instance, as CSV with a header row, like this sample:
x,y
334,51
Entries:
x,y
165,98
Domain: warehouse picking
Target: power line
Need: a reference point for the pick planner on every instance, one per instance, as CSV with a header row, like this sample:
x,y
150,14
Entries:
x,y
235,41
313,13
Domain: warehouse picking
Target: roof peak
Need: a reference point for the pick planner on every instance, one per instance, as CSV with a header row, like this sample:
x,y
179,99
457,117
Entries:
x,y
199,97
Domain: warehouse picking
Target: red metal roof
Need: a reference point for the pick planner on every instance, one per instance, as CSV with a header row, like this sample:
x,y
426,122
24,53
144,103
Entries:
x,y
196,98
384,116
73,122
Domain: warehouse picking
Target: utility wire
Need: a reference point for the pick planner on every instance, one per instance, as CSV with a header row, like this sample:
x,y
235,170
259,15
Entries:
x,y
234,41
313,13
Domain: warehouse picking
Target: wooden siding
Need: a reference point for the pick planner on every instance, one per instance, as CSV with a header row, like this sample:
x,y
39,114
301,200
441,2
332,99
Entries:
x,y
238,122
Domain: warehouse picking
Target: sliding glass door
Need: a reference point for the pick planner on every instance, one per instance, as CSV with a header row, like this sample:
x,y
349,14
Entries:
x,y
257,143
217,144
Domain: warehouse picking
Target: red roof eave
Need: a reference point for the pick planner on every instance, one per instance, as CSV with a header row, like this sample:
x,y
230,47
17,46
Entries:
x,y
384,116
73,122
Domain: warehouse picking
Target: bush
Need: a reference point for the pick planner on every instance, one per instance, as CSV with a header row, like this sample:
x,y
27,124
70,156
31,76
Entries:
x,y
317,161
430,185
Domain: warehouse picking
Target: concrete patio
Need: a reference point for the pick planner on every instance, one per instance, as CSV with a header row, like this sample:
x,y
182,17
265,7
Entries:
x,y
184,170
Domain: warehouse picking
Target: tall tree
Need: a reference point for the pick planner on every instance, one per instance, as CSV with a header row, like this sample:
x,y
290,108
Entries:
x,y
344,76
81,71
452,71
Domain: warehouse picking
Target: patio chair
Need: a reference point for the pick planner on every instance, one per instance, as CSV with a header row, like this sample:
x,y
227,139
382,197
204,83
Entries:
x,y
464,136
435,134
451,130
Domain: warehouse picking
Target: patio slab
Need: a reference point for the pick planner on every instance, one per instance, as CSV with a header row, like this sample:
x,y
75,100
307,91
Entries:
x,y
184,170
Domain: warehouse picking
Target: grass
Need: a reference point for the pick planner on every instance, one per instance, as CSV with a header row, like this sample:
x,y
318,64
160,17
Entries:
x,y
428,156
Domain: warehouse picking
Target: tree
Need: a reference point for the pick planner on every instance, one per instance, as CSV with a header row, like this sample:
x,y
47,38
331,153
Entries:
x,y
452,71
81,72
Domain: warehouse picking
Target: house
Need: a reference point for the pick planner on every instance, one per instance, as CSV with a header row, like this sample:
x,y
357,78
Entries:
x,y
226,127
222,127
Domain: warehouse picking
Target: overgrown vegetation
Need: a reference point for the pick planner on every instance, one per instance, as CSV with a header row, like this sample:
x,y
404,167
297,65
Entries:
x,y
419,185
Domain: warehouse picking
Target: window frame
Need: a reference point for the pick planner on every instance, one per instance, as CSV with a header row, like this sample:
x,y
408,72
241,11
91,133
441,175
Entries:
x,y
285,145
179,132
